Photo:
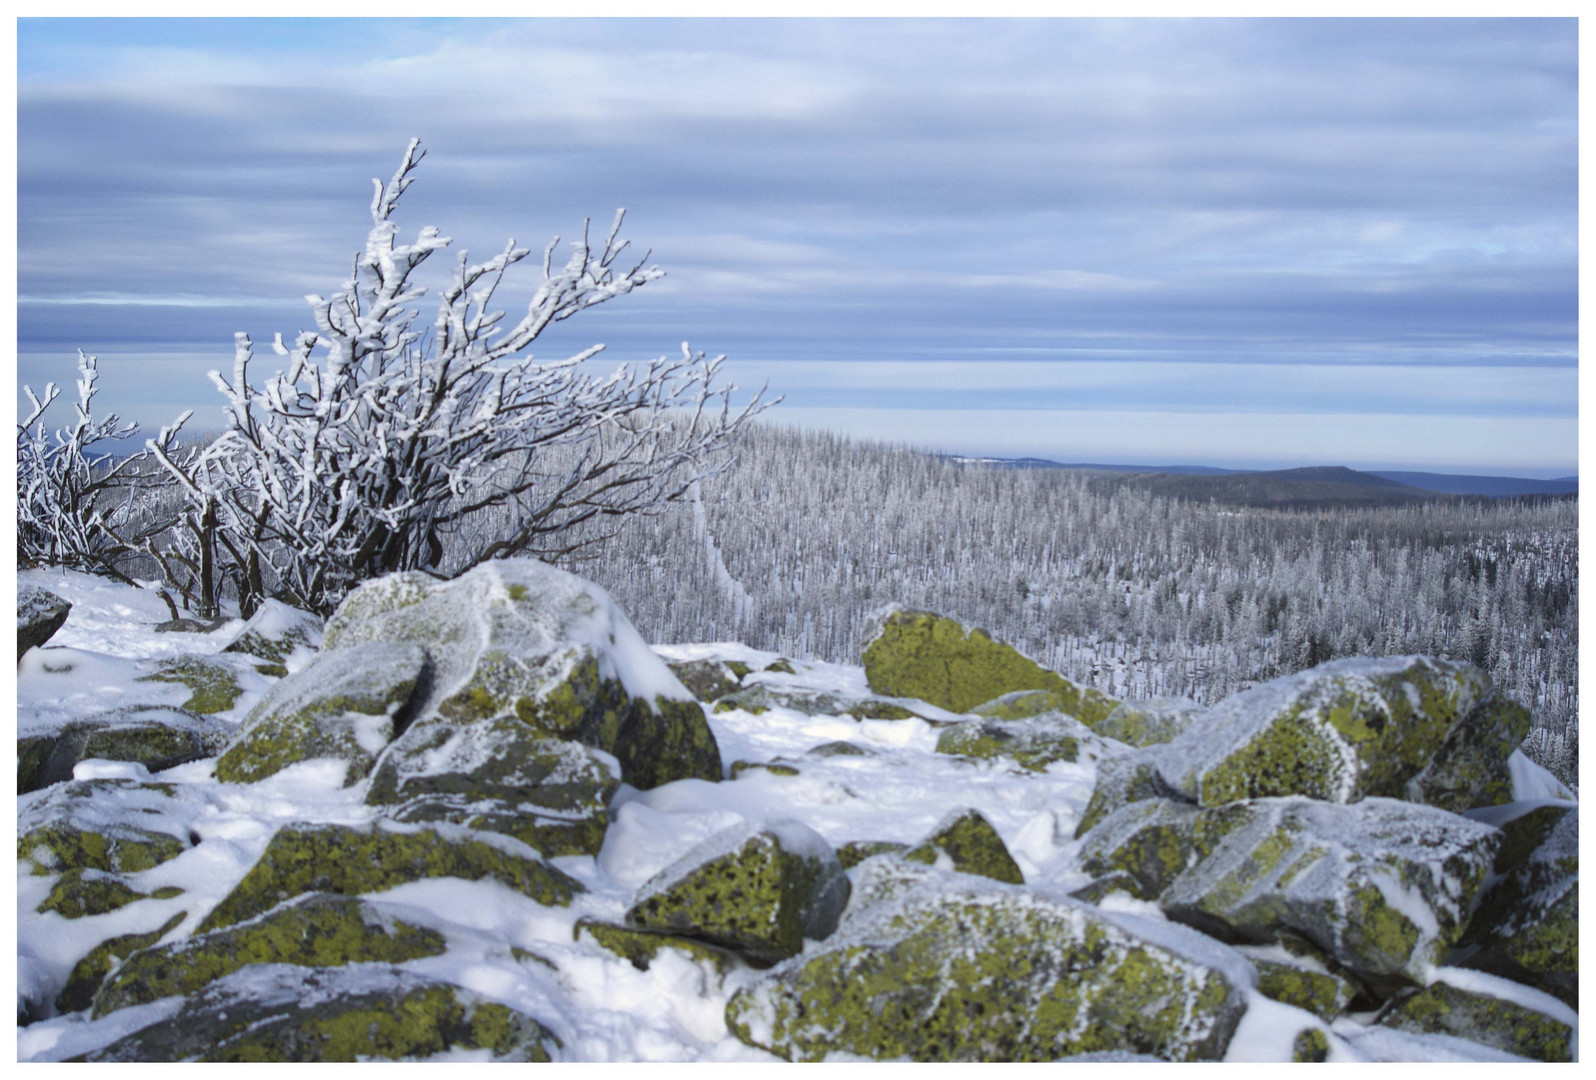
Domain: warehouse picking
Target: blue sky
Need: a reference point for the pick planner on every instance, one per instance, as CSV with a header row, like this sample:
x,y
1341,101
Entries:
x,y
1243,243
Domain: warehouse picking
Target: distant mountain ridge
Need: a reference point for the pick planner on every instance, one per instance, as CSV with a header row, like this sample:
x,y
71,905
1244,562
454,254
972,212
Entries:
x,y
1394,483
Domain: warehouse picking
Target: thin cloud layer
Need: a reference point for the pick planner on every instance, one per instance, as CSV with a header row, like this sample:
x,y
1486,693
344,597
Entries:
x,y
1330,203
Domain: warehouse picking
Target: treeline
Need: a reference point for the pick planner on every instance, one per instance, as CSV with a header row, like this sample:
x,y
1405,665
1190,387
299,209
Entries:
x,y
1140,595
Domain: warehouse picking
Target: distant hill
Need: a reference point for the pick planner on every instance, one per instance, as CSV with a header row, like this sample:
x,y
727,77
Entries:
x,y
1295,489
1494,486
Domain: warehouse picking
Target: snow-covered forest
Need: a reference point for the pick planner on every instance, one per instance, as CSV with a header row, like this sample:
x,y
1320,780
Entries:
x,y
791,549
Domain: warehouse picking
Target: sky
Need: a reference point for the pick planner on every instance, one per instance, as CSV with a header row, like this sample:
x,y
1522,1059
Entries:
x,y
1253,244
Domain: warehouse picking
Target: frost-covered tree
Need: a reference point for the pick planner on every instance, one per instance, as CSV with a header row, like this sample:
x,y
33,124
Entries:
x,y
77,505
380,446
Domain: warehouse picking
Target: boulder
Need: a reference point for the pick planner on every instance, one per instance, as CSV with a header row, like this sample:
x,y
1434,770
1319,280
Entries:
x,y
1146,845
346,704
1406,727
1527,925
855,852
342,859
40,613
760,698
516,637
1297,974
1469,1013
78,893
89,973
212,687
155,736
317,930
640,947
706,680
1121,781
89,825
937,966
970,845
274,633
918,654
758,889
1149,723
1385,888
1032,744
278,1012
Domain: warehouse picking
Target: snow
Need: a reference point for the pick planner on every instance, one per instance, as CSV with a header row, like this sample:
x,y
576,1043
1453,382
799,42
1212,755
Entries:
x,y
601,1007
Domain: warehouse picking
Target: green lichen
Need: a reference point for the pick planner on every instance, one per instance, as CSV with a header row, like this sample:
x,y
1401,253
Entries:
x,y
87,892
61,846
738,669
316,931
340,859
922,655
1449,1010
152,745
855,852
88,973
515,592
775,768
881,710
781,667
1033,744
640,947
549,834
973,845
1310,1045
1287,758
1154,842
213,687
1021,704
1318,992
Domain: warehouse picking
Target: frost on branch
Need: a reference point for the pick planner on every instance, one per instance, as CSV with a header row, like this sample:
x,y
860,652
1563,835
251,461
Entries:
x,y
382,447
76,505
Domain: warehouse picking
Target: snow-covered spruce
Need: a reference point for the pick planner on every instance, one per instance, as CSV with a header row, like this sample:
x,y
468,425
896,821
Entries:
x,y
446,886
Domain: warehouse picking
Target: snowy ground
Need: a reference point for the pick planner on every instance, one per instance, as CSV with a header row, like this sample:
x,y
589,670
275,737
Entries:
x,y
600,1006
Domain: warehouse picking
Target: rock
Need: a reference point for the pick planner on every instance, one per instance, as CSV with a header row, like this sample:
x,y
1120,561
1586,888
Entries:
x,y
341,859
515,637
706,680
181,625
839,748
1121,781
1148,723
318,930
918,654
88,973
760,698
54,839
1146,845
346,704
947,967
855,852
1406,727
1482,1018
40,614
1032,744
277,1012
1383,887
640,947
777,767
971,845
1021,704
571,831
212,687
79,893
274,633
1310,1045
1301,979
758,889
1527,925
782,666
155,736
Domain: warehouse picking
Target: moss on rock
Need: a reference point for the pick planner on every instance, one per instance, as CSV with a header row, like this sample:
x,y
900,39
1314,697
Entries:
x,y
758,890
345,704
1149,723
282,1013
340,859
918,654
1150,843
89,972
954,969
78,893
60,846
1310,1045
640,947
1033,743
319,930
973,846
1450,1010
213,687
855,852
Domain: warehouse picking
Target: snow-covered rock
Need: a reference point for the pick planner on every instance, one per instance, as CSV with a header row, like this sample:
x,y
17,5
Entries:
x,y
1148,723
1032,743
276,634
40,613
965,841
1461,1004
155,736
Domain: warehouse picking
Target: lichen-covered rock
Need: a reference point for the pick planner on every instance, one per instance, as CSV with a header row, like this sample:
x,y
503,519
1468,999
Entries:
x,y
1406,727
516,637
274,633
839,748
946,967
855,852
918,654
1527,925
89,973
125,849
341,859
570,830
1020,704
212,687
1146,845
758,889
90,825
971,845
1032,744
277,1012
1383,887
40,613
760,698
79,893
706,680
155,736
1148,723
346,704
1123,780
640,947
778,767
319,930
1310,1045
1301,979
1482,1018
